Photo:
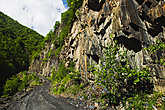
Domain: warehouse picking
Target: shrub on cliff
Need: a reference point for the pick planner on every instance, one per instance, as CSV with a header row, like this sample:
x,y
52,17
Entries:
x,y
67,19
119,80
74,4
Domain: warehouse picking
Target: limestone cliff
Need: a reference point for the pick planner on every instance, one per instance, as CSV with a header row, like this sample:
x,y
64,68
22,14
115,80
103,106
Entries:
x,y
135,24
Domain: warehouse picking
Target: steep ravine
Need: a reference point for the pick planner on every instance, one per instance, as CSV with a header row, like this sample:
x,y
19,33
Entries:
x,y
38,98
136,25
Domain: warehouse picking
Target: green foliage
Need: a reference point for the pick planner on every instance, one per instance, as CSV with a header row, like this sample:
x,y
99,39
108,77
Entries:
x,y
139,102
58,50
120,84
61,73
157,49
65,79
73,89
74,4
77,13
19,82
70,84
17,45
159,45
57,25
119,80
145,102
67,19
11,86
49,37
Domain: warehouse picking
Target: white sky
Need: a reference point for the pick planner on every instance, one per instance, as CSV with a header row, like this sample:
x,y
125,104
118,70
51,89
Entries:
x,y
39,15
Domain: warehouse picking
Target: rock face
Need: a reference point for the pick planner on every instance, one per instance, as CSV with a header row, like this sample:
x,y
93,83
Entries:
x,y
135,24
45,62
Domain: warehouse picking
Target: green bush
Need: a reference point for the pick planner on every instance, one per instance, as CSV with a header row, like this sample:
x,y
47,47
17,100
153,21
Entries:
x,y
61,73
57,25
146,102
49,37
19,82
11,86
157,48
63,76
119,80
67,20
159,45
74,4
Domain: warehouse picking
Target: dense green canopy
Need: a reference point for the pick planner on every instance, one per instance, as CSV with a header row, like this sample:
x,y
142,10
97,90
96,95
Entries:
x,y
17,44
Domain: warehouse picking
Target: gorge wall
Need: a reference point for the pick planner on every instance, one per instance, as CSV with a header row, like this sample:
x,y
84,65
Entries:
x,y
137,25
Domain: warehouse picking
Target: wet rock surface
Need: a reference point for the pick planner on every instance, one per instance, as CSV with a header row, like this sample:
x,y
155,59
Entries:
x,y
38,99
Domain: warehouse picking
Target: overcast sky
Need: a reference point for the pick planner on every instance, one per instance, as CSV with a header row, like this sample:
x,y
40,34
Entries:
x,y
39,15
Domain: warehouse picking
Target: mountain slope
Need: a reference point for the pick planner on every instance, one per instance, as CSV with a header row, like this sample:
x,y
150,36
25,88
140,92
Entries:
x,y
17,44
94,29
130,31
109,54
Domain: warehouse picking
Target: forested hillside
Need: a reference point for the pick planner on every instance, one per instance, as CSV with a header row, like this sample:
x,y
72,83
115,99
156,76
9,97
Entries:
x,y
103,55
17,45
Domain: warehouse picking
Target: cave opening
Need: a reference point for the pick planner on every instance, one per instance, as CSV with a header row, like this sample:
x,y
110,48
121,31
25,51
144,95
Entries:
x,y
95,5
94,57
129,43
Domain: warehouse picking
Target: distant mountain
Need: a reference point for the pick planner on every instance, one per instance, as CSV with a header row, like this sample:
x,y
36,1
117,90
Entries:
x,y
17,45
